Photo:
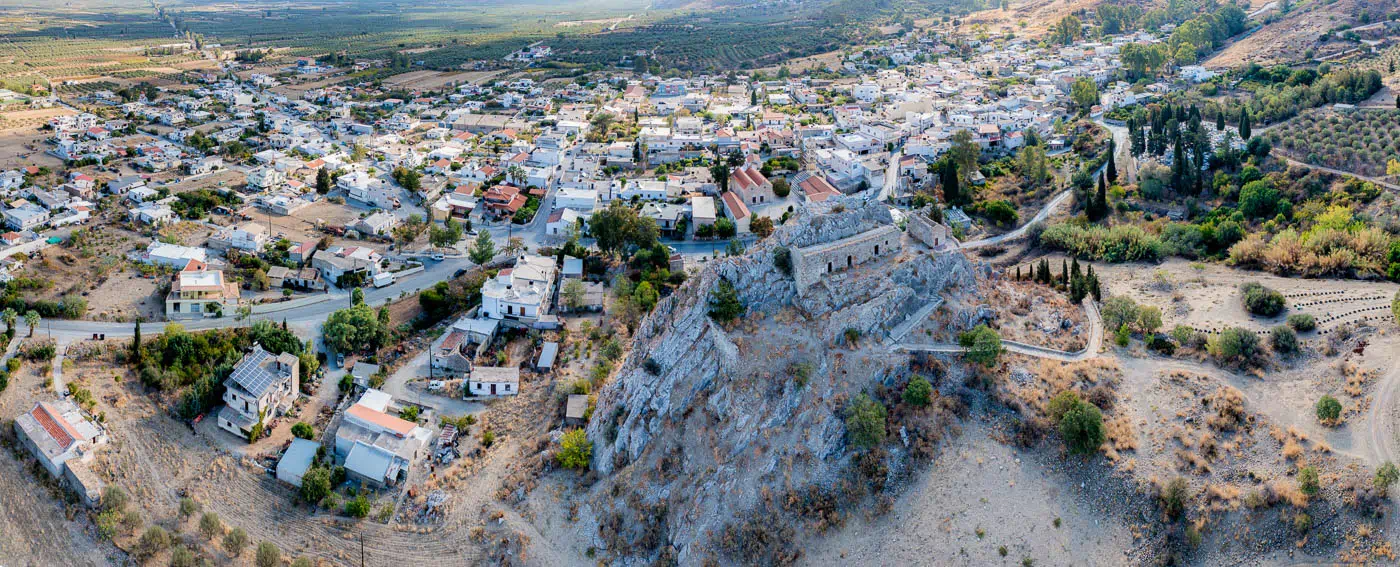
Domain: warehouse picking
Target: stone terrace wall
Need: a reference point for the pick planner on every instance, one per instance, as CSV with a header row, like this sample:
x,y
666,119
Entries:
x,y
810,264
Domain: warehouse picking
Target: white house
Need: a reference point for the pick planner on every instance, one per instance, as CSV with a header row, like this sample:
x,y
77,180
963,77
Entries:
x,y
262,386
521,293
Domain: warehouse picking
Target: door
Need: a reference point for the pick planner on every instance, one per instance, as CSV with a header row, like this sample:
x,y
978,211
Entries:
x,y
493,389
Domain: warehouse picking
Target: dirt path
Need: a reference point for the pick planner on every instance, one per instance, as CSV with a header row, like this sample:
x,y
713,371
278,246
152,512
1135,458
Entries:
x,y
1091,349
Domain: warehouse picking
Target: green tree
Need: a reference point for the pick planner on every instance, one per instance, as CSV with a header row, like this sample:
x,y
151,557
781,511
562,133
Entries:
x,y
1084,93
918,392
302,430
1328,409
210,526
31,319
357,297
316,485
1245,132
620,228
135,344
447,236
982,344
724,303
865,422
645,295
1082,428
575,450
1061,404
1118,311
781,188
1149,319
1258,199
483,250
573,293
323,181
10,316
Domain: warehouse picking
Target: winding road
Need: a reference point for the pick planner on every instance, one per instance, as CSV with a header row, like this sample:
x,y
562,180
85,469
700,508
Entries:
x,y
1019,232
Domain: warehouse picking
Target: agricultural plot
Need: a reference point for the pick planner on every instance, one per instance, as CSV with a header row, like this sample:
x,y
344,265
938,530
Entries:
x,y
1362,141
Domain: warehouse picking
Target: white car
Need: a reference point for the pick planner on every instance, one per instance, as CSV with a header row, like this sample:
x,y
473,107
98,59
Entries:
x,y
438,257
436,385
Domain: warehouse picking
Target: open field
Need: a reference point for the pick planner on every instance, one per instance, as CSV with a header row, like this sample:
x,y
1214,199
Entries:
x,y
437,79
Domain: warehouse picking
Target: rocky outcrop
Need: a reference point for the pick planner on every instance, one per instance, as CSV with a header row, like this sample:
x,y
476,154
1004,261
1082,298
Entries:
x,y
727,419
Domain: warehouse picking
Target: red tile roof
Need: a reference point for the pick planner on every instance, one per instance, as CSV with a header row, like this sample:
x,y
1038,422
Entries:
x,y
54,424
735,206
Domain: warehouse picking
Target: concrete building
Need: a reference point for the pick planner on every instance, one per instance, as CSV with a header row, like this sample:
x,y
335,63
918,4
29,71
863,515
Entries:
x,y
199,292
262,386
64,440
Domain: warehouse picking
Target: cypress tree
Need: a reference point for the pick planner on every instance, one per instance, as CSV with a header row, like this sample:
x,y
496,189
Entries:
x,y
949,178
1018,273
1064,273
1244,124
1112,167
1220,121
136,345
1093,283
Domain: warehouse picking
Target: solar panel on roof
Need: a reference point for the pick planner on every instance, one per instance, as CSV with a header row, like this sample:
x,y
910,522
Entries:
x,y
251,375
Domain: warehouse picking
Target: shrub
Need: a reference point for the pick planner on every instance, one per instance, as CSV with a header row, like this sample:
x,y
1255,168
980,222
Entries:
x,y
724,303
210,526
1082,428
1120,243
1236,345
1307,480
268,555
918,392
782,259
1122,336
1302,322
1161,345
1149,319
1261,300
1061,404
181,556
1172,498
154,541
865,422
357,507
1386,475
575,450
1284,340
235,541
1328,409
302,430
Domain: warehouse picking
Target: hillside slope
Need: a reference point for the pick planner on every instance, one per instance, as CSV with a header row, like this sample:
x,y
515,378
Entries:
x,y
720,443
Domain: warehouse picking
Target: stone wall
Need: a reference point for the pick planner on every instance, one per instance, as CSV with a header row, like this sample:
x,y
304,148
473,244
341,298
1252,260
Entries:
x,y
812,263
931,233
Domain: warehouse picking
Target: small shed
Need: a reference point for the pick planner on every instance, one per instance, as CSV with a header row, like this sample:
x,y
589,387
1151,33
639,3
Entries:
x,y
573,268
575,408
548,353
361,373
296,461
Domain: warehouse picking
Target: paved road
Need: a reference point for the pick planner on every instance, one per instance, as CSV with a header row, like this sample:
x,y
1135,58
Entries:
x,y
1091,349
1018,233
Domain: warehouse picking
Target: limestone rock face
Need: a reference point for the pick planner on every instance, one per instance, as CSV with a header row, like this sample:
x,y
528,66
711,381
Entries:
x,y
725,420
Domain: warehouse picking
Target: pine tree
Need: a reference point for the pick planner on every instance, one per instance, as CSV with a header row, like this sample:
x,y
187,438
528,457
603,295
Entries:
x,y
1244,124
1112,167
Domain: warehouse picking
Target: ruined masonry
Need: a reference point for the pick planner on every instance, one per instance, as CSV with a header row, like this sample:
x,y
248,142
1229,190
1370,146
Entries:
x,y
811,263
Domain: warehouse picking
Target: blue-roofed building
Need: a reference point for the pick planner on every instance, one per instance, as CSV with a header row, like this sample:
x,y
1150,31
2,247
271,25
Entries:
x,y
296,461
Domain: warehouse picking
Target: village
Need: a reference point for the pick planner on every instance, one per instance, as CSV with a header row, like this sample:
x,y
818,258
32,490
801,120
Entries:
x,y
344,302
